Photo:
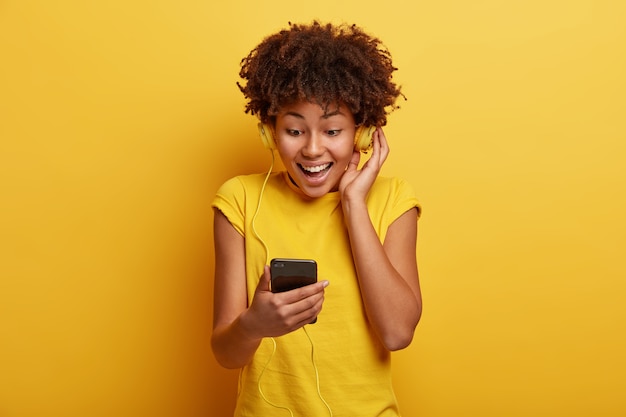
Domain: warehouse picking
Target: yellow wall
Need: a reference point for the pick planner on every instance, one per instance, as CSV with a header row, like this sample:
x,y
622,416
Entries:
x,y
119,119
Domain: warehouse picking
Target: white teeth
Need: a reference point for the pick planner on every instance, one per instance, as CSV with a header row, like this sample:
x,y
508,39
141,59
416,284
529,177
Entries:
x,y
315,169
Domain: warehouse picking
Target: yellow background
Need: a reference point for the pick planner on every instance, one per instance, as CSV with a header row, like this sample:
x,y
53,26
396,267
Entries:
x,y
119,120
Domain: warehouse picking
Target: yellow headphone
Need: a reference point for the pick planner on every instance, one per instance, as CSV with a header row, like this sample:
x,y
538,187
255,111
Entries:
x,y
362,137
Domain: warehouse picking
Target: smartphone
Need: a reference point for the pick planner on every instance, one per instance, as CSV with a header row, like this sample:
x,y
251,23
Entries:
x,y
288,274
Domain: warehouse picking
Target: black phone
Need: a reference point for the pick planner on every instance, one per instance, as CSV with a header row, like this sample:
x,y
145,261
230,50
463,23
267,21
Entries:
x,y
288,274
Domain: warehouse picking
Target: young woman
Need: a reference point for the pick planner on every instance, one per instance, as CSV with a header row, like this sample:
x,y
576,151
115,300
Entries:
x,y
316,90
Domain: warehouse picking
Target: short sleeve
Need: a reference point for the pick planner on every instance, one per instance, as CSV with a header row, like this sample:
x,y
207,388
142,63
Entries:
x,y
390,198
230,200
405,197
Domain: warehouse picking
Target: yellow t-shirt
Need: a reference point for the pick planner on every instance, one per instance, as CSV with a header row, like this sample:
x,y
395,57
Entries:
x,y
353,366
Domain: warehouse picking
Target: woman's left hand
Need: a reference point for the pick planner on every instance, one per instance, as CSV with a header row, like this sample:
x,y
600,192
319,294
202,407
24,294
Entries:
x,y
355,183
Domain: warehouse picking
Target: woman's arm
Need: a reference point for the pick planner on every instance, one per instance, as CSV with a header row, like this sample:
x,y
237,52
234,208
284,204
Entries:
x,y
239,329
387,273
233,344
388,276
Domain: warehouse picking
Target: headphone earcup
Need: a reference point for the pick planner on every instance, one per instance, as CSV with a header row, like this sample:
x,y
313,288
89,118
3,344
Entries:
x,y
363,138
265,131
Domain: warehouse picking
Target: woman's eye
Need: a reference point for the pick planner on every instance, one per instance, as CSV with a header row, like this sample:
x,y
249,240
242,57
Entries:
x,y
334,132
294,132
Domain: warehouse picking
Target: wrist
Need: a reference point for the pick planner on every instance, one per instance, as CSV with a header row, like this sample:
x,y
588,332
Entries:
x,y
247,328
353,205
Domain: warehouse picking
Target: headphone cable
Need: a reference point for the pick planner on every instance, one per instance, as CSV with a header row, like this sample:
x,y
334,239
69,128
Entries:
x,y
258,207
267,257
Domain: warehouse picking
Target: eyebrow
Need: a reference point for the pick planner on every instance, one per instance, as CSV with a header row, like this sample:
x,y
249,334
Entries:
x,y
324,116
334,113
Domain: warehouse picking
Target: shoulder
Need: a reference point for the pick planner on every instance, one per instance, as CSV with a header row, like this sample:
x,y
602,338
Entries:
x,y
237,196
393,192
392,186
245,181
242,185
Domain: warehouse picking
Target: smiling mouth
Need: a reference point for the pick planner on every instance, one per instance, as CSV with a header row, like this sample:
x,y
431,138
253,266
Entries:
x,y
315,171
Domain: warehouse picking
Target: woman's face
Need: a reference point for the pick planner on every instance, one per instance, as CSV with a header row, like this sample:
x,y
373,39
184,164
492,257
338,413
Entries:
x,y
315,146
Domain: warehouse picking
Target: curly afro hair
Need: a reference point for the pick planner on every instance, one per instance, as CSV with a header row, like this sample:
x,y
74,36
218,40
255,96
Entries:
x,y
324,64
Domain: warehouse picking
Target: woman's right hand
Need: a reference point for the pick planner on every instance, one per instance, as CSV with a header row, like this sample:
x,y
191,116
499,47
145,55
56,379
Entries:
x,y
276,314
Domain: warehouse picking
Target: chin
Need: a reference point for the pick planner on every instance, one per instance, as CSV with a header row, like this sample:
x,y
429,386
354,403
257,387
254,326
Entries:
x,y
314,192
317,190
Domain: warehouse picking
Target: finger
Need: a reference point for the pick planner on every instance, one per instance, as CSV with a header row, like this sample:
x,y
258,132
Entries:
x,y
305,310
354,161
264,281
384,146
298,294
382,139
376,146
380,149
309,315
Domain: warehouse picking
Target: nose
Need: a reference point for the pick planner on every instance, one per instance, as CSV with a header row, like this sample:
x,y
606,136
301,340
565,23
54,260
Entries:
x,y
314,145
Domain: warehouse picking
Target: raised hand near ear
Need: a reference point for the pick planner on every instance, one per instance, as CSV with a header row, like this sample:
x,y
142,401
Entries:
x,y
355,183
